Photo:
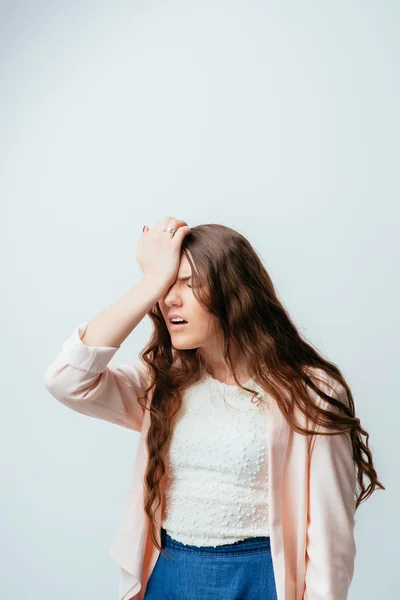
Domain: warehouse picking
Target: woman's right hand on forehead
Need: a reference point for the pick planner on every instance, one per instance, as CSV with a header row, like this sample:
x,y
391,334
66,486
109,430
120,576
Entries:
x,y
159,252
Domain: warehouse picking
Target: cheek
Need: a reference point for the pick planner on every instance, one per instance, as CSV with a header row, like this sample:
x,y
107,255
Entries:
x,y
198,314
201,320
206,324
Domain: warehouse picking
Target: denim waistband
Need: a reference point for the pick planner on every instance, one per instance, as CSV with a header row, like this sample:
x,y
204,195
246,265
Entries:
x,y
247,545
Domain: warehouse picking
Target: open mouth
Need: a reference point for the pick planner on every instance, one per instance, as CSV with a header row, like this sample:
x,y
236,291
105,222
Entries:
x,y
179,325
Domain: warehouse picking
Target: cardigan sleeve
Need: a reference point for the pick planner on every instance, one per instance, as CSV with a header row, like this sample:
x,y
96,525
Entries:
x,y
330,546
81,379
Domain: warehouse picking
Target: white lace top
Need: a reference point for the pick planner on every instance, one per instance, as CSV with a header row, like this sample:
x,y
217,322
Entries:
x,y
216,489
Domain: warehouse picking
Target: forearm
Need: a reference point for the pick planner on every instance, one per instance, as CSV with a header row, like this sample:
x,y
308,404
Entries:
x,y
114,324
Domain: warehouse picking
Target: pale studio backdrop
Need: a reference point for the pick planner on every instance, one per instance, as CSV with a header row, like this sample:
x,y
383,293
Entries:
x,y
279,119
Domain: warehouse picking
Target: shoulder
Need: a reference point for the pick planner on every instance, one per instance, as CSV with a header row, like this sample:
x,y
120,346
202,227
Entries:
x,y
327,384
337,393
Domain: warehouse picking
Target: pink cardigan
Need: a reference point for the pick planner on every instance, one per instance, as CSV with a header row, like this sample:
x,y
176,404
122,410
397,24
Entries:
x,y
312,480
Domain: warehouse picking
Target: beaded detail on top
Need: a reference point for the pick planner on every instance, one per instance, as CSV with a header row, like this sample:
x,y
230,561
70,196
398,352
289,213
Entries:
x,y
216,483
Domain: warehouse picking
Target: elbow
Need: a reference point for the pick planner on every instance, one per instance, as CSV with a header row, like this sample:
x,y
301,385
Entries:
x,y
50,380
67,384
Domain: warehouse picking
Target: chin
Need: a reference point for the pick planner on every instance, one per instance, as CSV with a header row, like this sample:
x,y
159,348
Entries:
x,y
183,345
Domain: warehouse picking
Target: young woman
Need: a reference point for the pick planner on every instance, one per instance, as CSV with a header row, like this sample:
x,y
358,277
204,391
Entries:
x,y
249,453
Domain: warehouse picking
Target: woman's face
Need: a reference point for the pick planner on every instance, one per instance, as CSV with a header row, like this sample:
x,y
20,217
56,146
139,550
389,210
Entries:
x,y
200,325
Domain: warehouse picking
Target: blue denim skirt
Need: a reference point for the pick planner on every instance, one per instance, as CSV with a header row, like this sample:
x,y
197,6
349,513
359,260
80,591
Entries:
x,y
239,571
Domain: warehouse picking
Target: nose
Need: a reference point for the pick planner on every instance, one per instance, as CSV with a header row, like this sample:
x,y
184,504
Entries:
x,y
172,297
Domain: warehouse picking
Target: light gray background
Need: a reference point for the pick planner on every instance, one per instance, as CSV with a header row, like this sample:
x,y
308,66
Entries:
x,y
279,119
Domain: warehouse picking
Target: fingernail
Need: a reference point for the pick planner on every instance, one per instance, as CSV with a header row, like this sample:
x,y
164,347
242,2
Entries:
x,y
143,227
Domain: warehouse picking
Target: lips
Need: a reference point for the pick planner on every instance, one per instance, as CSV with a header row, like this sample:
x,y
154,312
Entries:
x,y
175,316
177,325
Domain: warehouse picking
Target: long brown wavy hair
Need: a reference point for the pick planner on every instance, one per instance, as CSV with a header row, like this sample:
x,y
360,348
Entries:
x,y
230,281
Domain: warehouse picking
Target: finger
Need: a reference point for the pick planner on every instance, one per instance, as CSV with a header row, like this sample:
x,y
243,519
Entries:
x,y
181,232
169,222
176,224
162,223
